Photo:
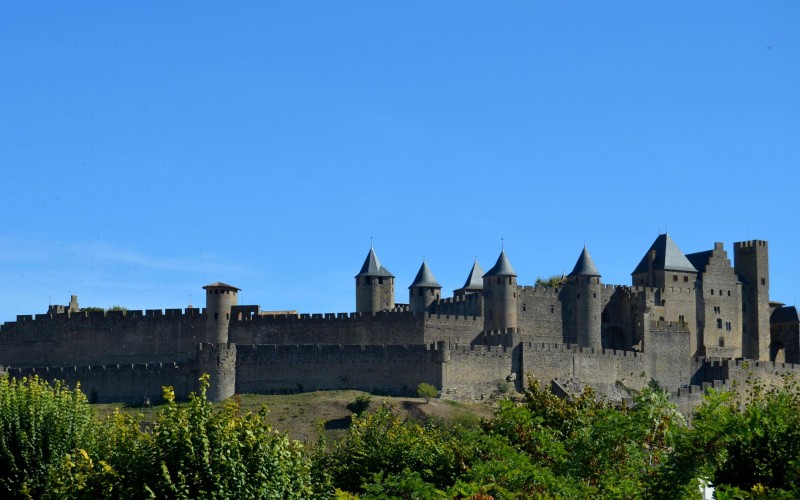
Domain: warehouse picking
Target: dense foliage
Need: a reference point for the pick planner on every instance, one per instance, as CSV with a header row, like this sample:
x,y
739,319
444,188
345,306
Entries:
x,y
747,444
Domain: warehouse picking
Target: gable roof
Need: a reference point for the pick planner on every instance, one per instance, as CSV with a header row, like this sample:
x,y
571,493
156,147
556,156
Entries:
x,y
585,265
372,267
425,278
668,257
475,278
502,267
700,260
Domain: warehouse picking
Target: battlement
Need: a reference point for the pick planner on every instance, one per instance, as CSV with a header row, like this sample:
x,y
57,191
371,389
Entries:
x,y
478,349
316,317
454,317
583,351
749,244
76,371
83,316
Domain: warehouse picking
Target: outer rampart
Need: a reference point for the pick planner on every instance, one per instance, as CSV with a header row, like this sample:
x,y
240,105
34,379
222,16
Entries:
x,y
390,369
98,338
477,371
125,383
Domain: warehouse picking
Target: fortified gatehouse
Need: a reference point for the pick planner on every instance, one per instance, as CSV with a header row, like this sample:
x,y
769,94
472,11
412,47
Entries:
x,y
685,320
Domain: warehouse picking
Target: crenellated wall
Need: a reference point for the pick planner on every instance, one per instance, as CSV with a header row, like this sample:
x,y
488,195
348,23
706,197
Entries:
x,y
385,369
333,328
100,338
123,383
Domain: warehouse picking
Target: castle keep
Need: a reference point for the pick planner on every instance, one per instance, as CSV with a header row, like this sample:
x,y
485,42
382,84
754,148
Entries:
x,y
685,320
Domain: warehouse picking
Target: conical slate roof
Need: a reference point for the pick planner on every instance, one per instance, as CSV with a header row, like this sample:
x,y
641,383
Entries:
x,y
425,278
668,257
585,265
474,280
372,267
502,267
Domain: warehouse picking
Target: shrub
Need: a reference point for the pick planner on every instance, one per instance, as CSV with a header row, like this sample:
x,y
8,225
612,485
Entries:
x,y
360,405
40,424
427,391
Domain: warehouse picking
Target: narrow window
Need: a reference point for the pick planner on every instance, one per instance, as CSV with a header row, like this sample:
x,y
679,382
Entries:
x,y
498,281
552,309
216,315
674,277
712,291
729,293
722,341
719,323
579,296
685,279
524,307
594,295
380,281
763,281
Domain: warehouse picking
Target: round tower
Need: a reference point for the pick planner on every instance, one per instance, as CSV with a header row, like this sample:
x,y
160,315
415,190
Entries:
x,y
500,296
586,295
424,291
220,297
374,286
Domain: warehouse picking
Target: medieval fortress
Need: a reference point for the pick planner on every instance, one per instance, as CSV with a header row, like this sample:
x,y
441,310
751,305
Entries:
x,y
685,321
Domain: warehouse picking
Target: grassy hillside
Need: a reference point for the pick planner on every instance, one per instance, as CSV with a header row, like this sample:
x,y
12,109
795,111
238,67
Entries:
x,y
299,414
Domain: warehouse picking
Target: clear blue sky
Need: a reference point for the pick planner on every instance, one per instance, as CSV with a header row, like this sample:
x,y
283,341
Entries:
x,y
149,148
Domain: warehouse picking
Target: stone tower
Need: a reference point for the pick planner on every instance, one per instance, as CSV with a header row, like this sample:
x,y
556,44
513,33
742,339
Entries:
x,y
424,291
474,283
374,286
219,299
751,263
500,296
585,291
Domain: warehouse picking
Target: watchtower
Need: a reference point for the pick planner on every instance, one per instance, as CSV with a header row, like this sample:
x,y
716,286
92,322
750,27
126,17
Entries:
x,y
585,290
751,263
219,299
424,291
374,286
500,292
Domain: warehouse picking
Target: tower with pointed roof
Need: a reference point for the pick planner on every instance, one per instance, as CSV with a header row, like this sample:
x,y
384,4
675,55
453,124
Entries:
x,y
374,286
220,297
586,292
474,283
664,265
500,295
424,291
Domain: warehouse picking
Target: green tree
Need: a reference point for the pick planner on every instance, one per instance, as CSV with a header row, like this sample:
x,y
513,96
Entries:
x,y
427,391
554,281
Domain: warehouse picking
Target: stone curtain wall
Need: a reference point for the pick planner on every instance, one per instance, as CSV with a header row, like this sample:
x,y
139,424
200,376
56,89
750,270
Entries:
x,y
391,369
331,328
98,338
124,383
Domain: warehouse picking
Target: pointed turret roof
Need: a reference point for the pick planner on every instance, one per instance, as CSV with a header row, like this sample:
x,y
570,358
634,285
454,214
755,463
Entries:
x,y
585,265
372,267
425,278
502,267
475,278
668,257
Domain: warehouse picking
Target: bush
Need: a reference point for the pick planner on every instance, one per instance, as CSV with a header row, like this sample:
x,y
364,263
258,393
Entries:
x,y
360,405
41,423
427,391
